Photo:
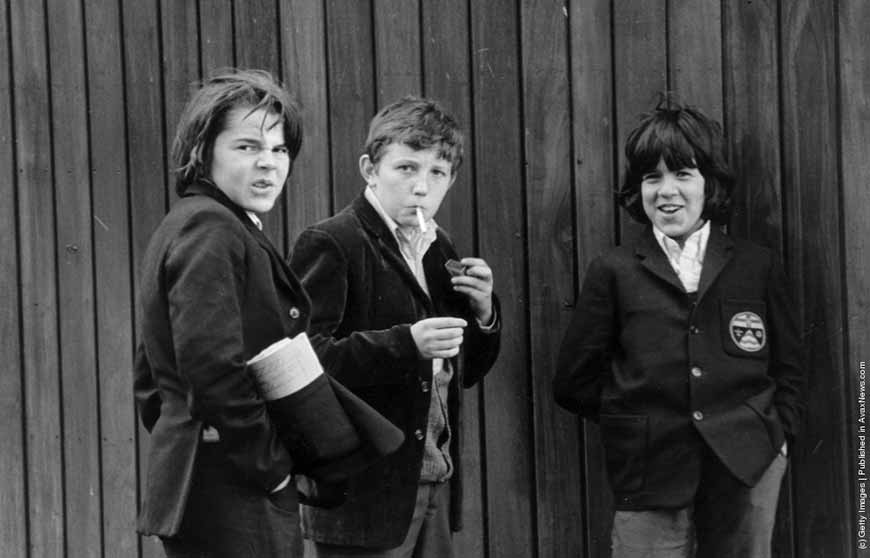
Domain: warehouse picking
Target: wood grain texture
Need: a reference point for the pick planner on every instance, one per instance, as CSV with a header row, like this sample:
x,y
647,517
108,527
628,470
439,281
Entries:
x,y
752,107
640,75
38,272
594,206
216,41
815,262
351,92
854,78
303,40
397,49
496,78
113,281
549,222
695,53
13,471
179,68
75,281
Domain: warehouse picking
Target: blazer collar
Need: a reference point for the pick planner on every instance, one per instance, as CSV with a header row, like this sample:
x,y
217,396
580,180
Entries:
x,y
389,246
279,264
719,248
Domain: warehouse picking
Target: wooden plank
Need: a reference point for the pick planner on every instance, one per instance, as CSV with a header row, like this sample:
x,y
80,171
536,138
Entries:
x,y
215,35
854,77
302,29
39,304
256,43
500,217
549,222
79,391
592,83
180,68
445,43
111,247
751,118
812,219
351,92
640,74
146,151
397,49
13,522
695,53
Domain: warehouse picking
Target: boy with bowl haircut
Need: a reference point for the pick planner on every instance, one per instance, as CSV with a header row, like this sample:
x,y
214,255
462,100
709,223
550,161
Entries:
x,y
685,349
404,329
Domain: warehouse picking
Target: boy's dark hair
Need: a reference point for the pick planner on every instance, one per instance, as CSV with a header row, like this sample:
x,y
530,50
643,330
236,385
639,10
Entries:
x,y
204,117
418,123
682,137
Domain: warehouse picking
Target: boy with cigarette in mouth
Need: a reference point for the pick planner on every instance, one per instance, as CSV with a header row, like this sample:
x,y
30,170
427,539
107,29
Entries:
x,y
404,322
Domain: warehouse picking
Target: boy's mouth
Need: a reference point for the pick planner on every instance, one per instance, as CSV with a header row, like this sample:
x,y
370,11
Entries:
x,y
669,208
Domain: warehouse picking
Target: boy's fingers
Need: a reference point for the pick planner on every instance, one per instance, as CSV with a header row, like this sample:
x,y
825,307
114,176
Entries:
x,y
444,322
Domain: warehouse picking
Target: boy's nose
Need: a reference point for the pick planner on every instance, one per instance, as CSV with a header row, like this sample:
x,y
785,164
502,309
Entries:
x,y
421,186
668,188
266,159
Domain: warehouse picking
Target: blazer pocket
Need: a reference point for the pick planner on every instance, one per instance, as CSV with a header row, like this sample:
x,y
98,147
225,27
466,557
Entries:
x,y
745,331
625,439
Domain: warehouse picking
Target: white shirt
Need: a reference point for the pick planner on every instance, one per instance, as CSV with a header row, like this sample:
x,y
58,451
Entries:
x,y
688,260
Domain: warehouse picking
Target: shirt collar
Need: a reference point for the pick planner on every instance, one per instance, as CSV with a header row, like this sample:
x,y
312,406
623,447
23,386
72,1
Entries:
x,y
254,219
696,243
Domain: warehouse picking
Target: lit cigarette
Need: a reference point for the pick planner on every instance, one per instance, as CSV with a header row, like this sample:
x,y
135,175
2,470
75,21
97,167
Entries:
x,y
420,219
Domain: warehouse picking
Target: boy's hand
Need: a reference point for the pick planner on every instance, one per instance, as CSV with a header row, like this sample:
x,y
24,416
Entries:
x,y
438,337
476,284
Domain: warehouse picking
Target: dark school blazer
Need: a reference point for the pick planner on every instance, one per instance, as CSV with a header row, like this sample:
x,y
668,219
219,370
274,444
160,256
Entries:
x,y
213,293
664,373
365,300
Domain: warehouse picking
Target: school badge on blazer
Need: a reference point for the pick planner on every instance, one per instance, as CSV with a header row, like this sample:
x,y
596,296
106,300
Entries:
x,y
747,331
744,328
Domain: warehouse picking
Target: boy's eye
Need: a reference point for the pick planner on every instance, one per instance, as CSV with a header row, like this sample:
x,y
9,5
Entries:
x,y
281,150
248,148
650,176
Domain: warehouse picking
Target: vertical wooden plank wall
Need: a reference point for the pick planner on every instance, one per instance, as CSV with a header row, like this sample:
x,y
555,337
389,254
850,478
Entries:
x,y
75,283
113,281
812,251
547,91
854,136
508,454
13,493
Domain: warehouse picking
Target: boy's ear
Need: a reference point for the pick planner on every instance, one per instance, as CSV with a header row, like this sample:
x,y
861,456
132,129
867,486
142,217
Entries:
x,y
366,169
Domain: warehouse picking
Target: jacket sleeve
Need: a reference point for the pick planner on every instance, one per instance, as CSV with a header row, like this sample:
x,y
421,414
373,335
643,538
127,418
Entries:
x,y
786,353
481,347
586,353
205,275
357,358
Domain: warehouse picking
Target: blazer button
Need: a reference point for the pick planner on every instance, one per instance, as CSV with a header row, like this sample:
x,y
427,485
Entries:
x,y
694,330
294,313
418,434
696,372
698,415
424,386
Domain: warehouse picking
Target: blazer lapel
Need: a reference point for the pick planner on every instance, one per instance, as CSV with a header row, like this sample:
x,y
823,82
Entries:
x,y
719,252
653,258
388,245
279,264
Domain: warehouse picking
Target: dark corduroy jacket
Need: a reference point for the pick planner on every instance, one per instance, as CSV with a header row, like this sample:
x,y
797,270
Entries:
x,y
365,300
665,372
